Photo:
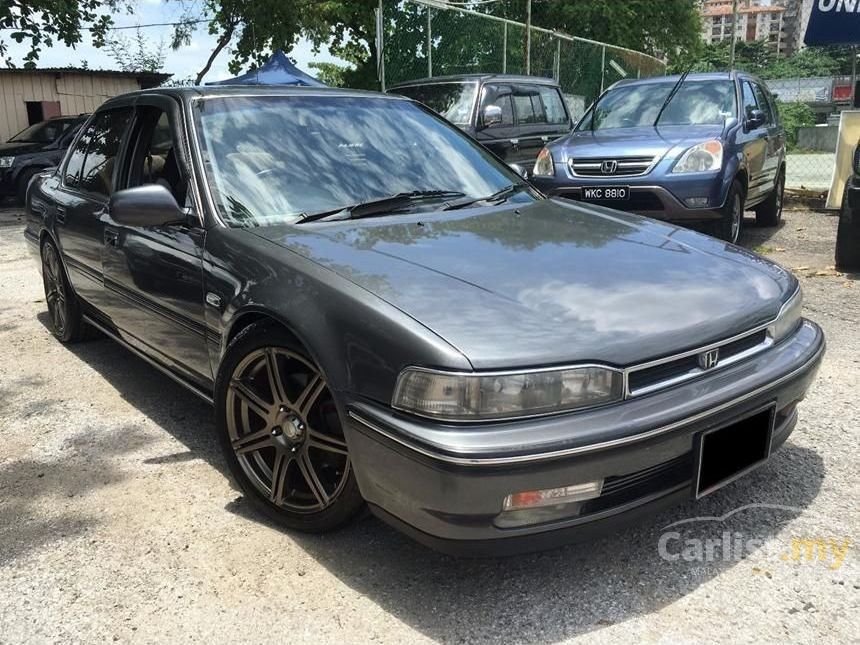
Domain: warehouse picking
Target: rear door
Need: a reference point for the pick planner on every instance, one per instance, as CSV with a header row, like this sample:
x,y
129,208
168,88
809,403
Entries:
x,y
541,116
82,198
501,138
153,275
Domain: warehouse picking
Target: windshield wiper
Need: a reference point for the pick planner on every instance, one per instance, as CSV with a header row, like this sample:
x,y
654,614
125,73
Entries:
x,y
671,95
378,206
496,197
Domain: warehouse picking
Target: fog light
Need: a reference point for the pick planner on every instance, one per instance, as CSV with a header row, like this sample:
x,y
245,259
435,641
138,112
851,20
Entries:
x,y
696,202
553,496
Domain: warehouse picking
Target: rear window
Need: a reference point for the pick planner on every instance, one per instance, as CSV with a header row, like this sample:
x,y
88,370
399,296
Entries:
x,y
453,101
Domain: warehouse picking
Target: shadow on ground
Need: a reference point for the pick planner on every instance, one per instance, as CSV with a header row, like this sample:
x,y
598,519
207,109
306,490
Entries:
x,y
539,597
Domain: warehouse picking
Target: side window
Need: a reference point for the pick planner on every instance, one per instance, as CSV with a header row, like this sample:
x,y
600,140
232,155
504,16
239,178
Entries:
x,y
500,95
748,99
553,105
764,104
154,160
528,106
108,130
77,156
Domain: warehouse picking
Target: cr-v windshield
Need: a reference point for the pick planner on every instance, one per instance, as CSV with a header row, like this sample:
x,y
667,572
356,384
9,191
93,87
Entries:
x,y
281,159
637,105
453,101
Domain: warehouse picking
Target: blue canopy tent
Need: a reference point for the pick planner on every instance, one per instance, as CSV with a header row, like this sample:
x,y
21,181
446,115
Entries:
x,y
278,70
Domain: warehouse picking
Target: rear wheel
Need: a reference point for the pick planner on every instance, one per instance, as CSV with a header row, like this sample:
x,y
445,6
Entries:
x,y
769,212
281,433
728,228
66,324
848,237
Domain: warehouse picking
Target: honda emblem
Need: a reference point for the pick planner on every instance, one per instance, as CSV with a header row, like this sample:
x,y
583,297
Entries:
x,y
609,167
709,359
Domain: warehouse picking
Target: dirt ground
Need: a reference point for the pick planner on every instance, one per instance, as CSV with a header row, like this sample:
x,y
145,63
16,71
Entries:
x,y
118,521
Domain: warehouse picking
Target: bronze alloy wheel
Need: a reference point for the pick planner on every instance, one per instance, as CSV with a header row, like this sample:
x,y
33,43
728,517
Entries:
x,y
285,431
55,289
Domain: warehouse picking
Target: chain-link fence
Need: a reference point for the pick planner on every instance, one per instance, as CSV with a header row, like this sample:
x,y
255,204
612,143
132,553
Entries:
x,y
422,38
809,109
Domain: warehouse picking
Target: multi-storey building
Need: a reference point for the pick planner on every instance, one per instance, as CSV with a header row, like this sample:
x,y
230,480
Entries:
x,y
756,20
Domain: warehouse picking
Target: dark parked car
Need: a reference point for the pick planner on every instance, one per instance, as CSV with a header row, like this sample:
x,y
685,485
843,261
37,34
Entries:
x,y
848,234
40,146
514,116
485,368
688,149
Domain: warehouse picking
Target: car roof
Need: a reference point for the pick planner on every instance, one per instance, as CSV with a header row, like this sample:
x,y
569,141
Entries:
x,y
692,76
479,78
185,93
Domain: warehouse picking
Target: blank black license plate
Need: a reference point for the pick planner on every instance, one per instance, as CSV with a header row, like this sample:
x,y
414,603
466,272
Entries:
x,y
605,193
726,453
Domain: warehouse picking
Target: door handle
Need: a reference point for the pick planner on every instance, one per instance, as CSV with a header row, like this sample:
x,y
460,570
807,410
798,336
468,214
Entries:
x,y
61,215
111,237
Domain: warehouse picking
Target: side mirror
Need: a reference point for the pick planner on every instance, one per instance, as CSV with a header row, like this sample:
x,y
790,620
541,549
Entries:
x,y
755,119
150,205
492,115
520,170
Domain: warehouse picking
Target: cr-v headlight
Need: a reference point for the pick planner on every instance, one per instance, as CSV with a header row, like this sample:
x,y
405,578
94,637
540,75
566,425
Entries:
x,y
788,319
475,396
543,164
701,158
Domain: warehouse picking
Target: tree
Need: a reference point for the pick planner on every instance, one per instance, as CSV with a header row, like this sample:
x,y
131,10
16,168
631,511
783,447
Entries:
x,y
331,74
136,54
794,114
44,22
808,62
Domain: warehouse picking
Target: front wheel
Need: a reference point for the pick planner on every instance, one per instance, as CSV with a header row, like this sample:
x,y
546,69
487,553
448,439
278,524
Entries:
x,y
728,227
281,433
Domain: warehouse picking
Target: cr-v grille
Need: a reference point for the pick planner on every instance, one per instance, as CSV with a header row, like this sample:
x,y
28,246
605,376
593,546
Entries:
x,y
610,166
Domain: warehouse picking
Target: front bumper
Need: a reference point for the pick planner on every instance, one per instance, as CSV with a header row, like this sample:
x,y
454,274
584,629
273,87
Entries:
x,y
445,484
655,195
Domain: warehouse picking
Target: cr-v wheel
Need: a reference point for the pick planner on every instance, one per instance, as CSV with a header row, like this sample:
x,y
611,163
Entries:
x,y
281,432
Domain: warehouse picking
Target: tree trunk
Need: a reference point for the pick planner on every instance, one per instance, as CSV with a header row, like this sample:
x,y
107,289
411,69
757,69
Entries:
x,y
222,43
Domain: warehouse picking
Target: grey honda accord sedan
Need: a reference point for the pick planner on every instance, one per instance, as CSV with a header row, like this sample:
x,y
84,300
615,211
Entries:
x,y
384,315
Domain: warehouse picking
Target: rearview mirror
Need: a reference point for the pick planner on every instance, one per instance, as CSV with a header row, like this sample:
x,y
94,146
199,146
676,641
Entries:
x,y
492,115
150,205
755,119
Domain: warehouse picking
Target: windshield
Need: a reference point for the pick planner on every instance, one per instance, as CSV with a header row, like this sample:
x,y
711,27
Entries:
x,y
277,159
633,106
44,132
453,101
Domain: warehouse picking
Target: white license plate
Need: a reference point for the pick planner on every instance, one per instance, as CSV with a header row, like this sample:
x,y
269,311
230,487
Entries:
x,y
606,193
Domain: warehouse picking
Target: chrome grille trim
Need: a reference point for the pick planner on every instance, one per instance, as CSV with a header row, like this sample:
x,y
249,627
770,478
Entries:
x,y
625,166
697,371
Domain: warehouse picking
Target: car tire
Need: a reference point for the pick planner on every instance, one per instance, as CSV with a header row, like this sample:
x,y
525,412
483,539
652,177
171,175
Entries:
x,y
66,321
728,228
769,212
24,178
848,237
281,432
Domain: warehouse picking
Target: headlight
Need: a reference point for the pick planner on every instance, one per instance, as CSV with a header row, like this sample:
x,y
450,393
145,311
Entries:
x,y
6,162
701,158
543,164
788,319
468,396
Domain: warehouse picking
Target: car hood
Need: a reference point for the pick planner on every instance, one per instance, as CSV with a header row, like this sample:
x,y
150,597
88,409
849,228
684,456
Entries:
x,y
551,282
9,149
636,142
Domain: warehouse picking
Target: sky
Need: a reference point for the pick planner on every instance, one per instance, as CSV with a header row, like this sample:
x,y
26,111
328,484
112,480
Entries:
x,y
182,63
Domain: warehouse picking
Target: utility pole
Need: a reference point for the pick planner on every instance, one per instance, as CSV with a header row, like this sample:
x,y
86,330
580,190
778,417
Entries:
x,y
734,31
528,37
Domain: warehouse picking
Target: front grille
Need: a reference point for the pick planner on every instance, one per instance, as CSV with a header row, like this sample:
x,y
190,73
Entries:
x,y
672,370
623,166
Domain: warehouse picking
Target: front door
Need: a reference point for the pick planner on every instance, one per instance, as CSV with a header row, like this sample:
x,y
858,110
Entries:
x,y
500,138
153,275
755,146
